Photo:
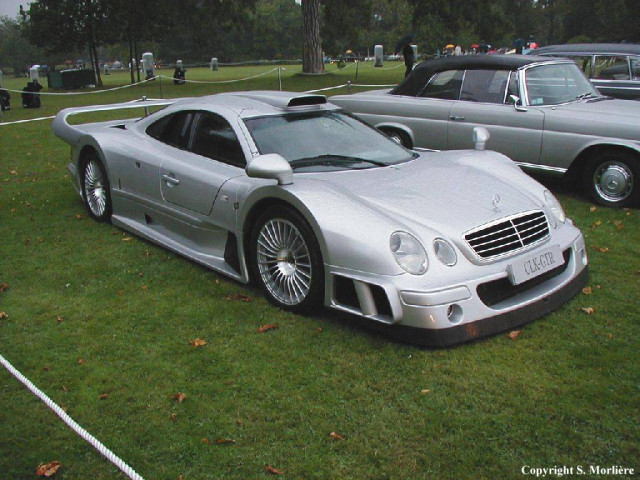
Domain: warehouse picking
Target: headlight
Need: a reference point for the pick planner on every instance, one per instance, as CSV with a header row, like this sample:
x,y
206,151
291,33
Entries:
x,y
554,206
445,252
408,252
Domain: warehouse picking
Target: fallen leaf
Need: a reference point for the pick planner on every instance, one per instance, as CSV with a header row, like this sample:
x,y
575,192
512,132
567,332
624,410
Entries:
x,y
239,422
59,319
48,469
600,249
173,417
223,441
319,330
588,310
81,361
3,287
267,327
592,209
425,391
273,470
3,315
597,223
240,297
514,334
104,396
126,239
79,217
337,436
144,287
198,342
587,290
179,397
205,440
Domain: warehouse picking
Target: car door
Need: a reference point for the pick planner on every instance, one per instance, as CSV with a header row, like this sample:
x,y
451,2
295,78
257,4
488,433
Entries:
x,y
484,101
210,156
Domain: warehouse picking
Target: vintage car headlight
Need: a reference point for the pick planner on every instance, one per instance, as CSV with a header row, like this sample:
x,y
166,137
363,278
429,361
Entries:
x,y
554,206
445,252
408,252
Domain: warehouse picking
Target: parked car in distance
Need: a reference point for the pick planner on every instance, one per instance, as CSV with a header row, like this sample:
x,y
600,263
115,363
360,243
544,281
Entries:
x,y
319,208
542,112
613,68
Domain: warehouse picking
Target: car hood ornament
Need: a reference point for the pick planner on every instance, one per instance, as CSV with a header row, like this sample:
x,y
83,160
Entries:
x,y
496,203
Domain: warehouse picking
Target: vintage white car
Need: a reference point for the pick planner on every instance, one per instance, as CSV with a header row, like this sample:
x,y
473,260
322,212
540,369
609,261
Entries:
x,y
541,112
318,209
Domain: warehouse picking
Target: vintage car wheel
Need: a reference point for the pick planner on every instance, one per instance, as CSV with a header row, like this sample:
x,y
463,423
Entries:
x,y
612,179
399,137
96,190
286,260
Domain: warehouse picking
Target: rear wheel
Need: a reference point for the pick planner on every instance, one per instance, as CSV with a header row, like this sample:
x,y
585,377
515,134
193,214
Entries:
x,y
96,190
612,179
286,260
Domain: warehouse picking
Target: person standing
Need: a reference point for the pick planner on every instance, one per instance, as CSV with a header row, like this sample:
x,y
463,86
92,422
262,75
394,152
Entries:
x,y
409,58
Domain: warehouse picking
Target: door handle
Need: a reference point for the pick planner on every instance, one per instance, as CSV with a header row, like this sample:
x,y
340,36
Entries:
x,y
455,117
171,181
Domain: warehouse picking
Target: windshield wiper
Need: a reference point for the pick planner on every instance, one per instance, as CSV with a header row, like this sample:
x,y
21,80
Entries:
x,y
333,159
584,95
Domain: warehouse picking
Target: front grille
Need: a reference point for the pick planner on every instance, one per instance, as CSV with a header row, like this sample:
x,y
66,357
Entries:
x,y
508,235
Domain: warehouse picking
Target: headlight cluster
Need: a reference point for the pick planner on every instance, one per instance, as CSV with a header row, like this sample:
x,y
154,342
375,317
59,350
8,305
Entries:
x,y
555,207
412,256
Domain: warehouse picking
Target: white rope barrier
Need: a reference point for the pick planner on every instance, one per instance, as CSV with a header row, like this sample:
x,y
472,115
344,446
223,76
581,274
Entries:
x,y
221,81
81,93
93,441
27,120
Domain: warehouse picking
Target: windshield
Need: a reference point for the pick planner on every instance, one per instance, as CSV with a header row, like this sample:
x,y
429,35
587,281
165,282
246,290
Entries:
x,y
324,141
557,83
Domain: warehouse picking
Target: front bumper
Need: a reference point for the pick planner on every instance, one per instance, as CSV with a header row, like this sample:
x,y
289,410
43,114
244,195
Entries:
x,y
479,303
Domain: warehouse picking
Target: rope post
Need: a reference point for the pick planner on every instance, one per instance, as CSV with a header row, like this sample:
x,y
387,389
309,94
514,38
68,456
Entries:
x,y
348,87
160,86
357,63
280,78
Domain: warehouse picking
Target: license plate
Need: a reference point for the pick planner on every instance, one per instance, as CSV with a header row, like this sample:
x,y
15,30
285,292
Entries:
x,y
532,266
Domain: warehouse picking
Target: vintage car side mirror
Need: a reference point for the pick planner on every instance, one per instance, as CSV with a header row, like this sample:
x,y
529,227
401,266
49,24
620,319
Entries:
x,y
517,103
271,166
480,137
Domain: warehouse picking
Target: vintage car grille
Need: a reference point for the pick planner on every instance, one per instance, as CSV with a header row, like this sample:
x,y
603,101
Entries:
x,y
508,235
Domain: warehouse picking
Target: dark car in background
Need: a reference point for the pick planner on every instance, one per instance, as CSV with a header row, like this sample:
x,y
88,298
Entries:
x,y
613,68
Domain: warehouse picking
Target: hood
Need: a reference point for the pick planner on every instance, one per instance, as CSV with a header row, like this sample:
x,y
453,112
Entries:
x,y
600,118
449,192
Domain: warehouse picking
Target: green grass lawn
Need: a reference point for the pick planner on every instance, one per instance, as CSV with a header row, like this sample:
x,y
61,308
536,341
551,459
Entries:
x,y
89,310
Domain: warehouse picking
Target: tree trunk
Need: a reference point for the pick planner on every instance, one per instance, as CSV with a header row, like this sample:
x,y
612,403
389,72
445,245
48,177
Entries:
x,y
312,49
96,64
131,67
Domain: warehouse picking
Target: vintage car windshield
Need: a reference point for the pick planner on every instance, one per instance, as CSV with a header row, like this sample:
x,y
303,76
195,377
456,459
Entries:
x,y
557,83
322,141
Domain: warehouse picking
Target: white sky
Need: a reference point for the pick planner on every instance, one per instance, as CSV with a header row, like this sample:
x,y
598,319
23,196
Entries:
x,y
10,7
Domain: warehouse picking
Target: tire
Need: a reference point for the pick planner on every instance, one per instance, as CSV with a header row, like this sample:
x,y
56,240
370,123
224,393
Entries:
x,y
96,190
399,137
612,179
286,260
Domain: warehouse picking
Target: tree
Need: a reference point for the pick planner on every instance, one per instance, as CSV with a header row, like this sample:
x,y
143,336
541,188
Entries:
x,y
15,51
63,25
312,46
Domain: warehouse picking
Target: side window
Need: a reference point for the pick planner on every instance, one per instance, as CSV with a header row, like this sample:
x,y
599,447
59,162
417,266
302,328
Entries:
x,y
635,68
513,86
585,64
444,85
173,129
214,138
611,68
486,86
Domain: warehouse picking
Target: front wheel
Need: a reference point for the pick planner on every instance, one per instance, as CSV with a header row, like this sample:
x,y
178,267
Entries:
x,y
286,260
96,190
612,179
399,137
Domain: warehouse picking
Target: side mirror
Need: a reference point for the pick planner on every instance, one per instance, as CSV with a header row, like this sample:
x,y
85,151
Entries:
x,y
517,103
271,166
480,137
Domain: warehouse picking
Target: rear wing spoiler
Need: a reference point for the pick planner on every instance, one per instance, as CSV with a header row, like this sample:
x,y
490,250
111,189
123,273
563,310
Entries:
x,y
71,133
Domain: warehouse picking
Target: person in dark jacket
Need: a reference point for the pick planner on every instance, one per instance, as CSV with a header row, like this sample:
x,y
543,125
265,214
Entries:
x,y
409,58
5,99
30,97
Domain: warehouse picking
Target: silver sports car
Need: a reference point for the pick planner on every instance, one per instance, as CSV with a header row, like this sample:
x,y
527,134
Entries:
x,y
318,208
541,112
